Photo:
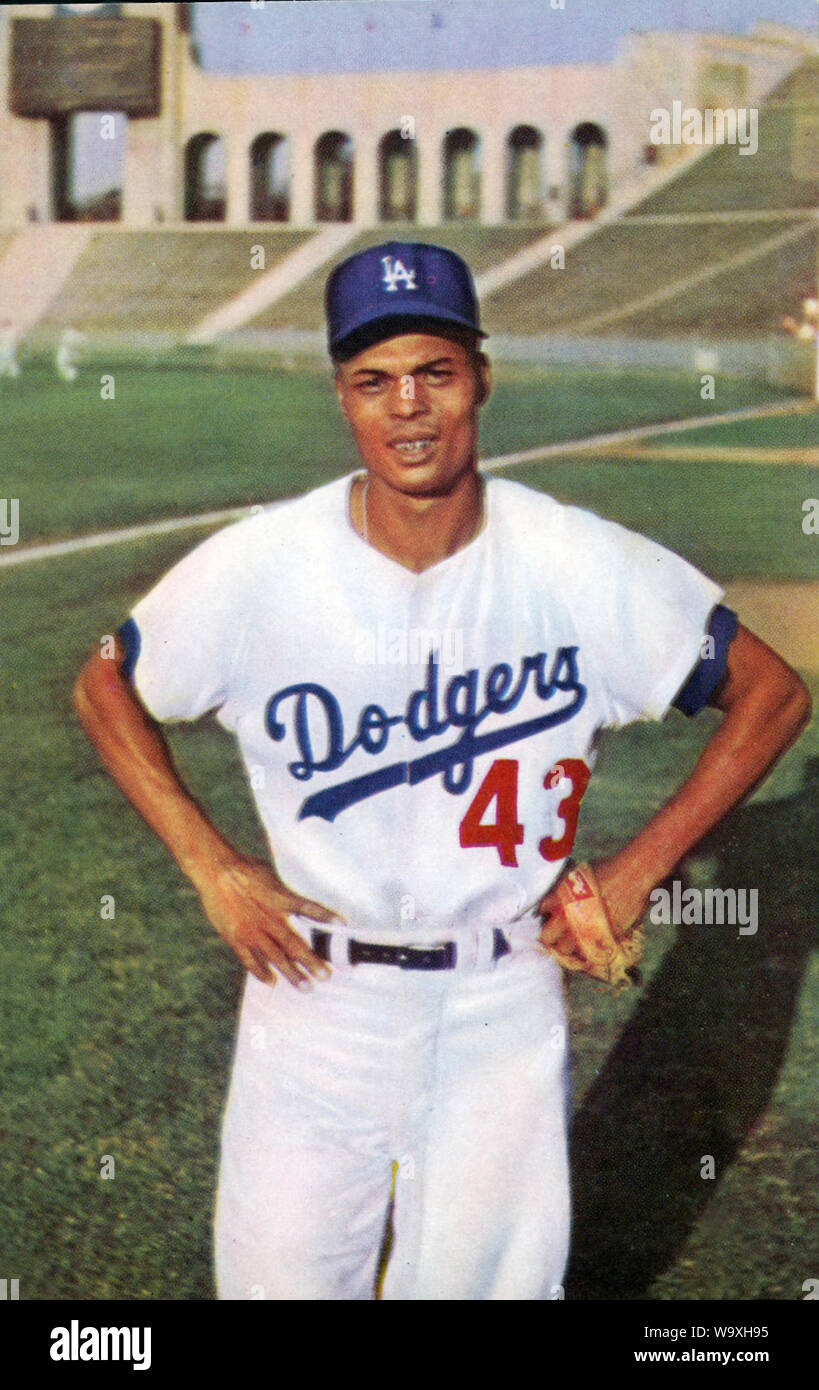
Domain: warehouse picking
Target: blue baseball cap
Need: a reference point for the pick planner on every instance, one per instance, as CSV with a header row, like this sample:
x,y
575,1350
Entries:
x,y
398,287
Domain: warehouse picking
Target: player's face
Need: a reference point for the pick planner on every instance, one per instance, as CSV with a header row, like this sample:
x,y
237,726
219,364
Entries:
x,y
412,403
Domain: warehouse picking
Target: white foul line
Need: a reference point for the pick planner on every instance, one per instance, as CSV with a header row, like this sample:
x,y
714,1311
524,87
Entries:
x,y
594,442
53,549
50,549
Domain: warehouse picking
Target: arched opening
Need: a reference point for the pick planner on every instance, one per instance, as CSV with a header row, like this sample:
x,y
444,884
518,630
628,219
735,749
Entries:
x,y
205,197
524,185
87,166
588,179
270,178
397,178
462,175
334,177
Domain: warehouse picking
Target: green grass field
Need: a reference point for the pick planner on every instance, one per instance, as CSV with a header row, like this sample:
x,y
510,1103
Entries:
x,y
116,1033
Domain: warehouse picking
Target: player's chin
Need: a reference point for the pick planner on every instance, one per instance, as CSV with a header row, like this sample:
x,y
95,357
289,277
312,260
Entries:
x,y
415,479
432,476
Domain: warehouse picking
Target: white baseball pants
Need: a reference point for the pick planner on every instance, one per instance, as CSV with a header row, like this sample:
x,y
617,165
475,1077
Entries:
x,y
459,1077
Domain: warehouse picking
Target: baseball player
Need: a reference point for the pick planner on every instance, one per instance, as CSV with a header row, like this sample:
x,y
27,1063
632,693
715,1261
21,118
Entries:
x,y
416,663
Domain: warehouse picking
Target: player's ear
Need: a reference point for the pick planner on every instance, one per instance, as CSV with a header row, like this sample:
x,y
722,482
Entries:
x,y
483,376
339,385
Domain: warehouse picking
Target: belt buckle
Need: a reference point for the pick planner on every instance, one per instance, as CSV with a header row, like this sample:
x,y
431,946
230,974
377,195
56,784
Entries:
x,y
441,956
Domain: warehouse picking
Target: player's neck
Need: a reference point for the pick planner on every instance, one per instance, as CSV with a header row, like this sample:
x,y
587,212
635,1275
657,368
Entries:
x,y
417,532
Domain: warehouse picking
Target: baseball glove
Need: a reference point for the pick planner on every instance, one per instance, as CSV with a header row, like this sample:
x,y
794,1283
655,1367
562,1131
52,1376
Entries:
x,y
594,948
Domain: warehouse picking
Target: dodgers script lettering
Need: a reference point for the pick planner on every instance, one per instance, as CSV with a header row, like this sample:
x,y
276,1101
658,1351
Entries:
x,y
316,711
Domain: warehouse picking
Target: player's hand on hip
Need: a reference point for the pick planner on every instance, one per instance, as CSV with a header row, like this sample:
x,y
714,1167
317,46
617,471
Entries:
x,y
250,907
625,886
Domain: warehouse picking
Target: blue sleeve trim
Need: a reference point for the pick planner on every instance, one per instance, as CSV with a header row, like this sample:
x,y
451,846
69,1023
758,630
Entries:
x,y
132,642
708,672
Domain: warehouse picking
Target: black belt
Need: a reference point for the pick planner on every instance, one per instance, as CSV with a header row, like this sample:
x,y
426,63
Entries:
x,y
442,957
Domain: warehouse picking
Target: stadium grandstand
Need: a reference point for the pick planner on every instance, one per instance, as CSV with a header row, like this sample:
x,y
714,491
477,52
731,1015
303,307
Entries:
x,y
588,241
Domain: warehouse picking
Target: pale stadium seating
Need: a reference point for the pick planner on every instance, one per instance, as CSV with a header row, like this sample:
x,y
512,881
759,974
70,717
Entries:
x,y
141,281
726,208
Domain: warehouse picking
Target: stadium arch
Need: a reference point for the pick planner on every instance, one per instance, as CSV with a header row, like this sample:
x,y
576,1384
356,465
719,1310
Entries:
x,y
524,174
588,174
397,177
462,175
270,178
205,192
334,164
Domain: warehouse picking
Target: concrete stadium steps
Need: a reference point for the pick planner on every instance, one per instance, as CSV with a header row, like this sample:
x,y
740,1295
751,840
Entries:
x,y
34,266
482,247
168,280
619,264
327,245
741,301
732,181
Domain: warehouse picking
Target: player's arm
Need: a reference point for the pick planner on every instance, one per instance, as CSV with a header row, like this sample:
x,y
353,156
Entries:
x,y
243,898
765,705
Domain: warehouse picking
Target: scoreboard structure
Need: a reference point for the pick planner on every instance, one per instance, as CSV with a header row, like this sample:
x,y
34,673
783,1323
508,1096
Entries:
x,y
55,65
65,64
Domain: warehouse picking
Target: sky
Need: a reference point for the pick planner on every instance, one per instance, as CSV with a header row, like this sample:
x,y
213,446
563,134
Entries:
x,y
378,35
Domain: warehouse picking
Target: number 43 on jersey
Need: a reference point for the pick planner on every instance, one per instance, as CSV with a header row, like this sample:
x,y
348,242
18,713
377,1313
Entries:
x,y
505,833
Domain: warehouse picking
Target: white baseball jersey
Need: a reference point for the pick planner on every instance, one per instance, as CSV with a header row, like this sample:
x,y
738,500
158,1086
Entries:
x,y
418,744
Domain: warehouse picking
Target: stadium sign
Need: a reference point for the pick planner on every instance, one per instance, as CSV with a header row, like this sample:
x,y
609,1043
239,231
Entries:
x,y
63,64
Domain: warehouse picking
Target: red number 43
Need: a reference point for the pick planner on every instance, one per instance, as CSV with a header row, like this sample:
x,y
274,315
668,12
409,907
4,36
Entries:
x,y
505,833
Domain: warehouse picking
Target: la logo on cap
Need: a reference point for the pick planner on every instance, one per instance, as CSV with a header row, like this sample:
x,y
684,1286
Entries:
x,y
395,271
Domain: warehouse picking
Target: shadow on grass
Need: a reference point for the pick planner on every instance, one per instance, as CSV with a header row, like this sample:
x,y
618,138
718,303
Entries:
x,y
699,1059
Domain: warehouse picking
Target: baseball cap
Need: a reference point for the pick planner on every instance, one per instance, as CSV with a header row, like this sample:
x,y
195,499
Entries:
x,y
398,287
